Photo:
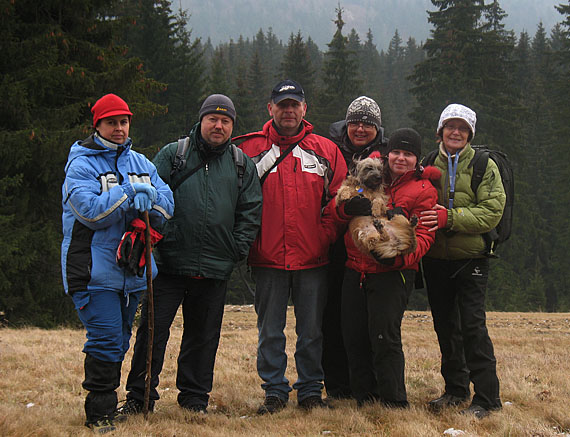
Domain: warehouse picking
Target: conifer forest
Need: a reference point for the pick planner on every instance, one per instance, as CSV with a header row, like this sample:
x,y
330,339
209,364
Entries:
x,y
59,57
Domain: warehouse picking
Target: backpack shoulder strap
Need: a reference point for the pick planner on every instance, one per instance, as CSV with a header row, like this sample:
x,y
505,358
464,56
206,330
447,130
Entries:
x,y
239,161
429,159
479,164
180,158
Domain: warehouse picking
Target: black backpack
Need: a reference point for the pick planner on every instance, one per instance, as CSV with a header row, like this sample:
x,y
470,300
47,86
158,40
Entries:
x,y
502,231
180,163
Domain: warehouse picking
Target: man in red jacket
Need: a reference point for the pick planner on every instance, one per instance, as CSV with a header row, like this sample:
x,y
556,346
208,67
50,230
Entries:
x,y
300,173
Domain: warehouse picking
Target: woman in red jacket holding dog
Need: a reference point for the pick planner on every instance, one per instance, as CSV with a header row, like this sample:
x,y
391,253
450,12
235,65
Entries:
x,y
375,290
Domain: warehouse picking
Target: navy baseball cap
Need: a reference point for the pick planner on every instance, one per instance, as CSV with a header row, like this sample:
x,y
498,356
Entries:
x,y
287,89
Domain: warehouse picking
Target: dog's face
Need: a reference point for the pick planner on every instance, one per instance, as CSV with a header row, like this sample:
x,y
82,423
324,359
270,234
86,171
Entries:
x,y
369,172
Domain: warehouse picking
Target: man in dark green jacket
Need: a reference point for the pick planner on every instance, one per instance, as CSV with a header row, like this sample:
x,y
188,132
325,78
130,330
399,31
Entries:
x,y
217,215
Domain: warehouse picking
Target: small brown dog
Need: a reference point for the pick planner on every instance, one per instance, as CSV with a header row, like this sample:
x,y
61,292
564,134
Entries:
x,y
376,234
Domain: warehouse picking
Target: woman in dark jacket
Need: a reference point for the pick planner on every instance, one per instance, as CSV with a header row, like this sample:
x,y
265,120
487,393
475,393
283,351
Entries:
x,y
358,136
375,291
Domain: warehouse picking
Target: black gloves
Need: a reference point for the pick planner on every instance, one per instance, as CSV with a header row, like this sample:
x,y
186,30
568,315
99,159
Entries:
x,y
358,205
384,261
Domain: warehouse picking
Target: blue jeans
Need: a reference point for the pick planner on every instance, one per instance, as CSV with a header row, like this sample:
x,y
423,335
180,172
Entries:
x,y
308,291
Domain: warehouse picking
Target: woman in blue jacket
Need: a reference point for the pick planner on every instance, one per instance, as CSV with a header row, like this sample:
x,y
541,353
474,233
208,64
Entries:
x,y
106,186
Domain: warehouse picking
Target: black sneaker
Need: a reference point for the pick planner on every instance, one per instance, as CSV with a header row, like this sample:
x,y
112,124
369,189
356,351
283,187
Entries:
x,y
131,407
196,408
312,402
272,404
444,401
476,410
102,426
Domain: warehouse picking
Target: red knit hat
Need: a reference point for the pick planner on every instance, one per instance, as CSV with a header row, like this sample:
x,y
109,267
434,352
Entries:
x,y
109,105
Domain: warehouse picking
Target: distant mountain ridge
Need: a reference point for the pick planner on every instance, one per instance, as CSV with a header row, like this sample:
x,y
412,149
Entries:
x,y
221,20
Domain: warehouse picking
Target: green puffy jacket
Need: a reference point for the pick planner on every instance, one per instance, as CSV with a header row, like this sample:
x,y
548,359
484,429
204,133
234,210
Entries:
x,y
472,214
214,222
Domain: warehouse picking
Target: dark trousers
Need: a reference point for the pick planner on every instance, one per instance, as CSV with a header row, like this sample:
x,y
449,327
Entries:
x,y
202,310
373,306
334,360
456,293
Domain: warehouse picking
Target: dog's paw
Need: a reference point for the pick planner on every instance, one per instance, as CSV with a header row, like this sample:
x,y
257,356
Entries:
x,y
378,225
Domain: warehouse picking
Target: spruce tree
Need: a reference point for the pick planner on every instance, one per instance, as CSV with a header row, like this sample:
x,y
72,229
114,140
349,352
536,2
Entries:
x,y
341,79
372,73
560,113
162,41
218,80
296,64
56,62
458,67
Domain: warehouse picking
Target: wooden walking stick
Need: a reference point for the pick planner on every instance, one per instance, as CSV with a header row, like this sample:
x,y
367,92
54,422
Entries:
x,y
150,307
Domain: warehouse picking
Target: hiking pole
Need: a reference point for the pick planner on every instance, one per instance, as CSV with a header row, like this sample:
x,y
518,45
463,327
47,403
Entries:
x,y
150,307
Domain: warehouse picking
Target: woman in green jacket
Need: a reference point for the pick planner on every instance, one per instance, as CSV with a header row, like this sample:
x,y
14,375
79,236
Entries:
x,y
456,268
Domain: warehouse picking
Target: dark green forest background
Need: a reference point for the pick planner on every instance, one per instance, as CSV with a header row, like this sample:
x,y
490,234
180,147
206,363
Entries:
x,y
59,57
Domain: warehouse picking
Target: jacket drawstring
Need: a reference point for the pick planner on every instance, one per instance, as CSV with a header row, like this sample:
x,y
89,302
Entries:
x,y
362,279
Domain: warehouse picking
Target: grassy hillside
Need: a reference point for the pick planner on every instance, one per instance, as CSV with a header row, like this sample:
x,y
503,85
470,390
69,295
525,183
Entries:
x,y
41,395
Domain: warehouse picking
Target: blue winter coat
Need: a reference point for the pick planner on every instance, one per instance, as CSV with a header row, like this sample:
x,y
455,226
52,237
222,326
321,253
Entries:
x,y
97,209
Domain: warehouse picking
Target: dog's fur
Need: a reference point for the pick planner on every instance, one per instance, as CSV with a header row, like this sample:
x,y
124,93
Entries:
x,y
376,234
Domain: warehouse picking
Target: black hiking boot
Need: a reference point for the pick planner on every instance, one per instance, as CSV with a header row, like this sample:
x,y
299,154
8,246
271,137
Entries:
x,y
313,402
131,407
476,410
445,401
196,408
272,404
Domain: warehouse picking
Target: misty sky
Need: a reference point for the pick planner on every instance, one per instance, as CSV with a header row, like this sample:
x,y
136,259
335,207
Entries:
x,y
224,19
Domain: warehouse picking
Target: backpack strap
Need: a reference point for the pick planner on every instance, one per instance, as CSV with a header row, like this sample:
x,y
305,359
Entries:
x,y
281,158
180,163
479,164
180,158
429,159
239,161
175,182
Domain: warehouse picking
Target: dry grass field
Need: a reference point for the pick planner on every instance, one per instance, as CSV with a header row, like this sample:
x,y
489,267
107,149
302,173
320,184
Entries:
x,y
41,395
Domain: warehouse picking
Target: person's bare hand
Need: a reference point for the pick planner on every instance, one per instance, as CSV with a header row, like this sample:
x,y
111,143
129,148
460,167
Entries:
x,y
435,218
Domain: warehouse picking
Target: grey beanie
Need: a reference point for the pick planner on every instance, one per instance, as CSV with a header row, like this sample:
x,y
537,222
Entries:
x,y
406,139
365,110
218,104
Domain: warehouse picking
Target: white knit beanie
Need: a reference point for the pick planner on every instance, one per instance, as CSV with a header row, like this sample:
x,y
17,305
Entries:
x,y
458,111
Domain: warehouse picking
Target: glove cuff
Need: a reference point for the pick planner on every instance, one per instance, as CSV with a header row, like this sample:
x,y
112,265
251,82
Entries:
x,y
442,216
129,190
